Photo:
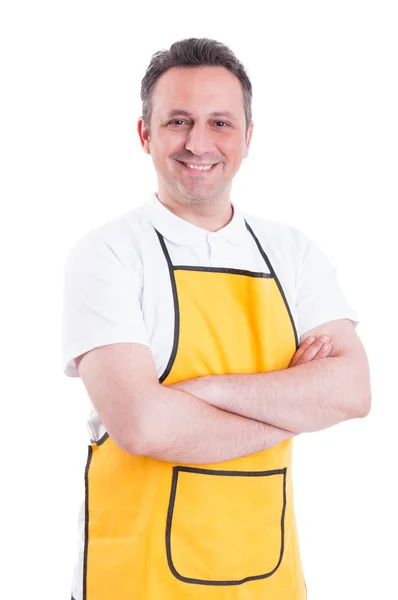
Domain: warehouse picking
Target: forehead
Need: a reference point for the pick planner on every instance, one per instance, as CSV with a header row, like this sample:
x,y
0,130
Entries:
x,y
198,90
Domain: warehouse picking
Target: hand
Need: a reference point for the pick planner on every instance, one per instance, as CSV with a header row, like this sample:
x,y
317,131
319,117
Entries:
x,y
312,349
204,387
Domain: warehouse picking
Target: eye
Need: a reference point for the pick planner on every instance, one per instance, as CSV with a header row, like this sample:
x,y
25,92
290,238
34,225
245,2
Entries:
x,y
177,123
223,123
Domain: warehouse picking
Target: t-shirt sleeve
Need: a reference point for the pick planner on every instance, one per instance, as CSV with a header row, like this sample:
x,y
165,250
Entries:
x,y
319,296
101,302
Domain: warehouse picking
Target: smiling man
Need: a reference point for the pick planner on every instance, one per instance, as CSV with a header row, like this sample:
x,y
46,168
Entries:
x,y
197,133
206,338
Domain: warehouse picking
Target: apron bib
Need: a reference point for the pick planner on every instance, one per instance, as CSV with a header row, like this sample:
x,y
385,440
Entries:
x,y
222,531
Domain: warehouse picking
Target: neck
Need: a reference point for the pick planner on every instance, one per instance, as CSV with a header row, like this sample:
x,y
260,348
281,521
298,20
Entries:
x,y
210,216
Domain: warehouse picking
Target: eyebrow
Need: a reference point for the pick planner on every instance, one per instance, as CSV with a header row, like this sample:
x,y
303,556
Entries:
x,y
218,113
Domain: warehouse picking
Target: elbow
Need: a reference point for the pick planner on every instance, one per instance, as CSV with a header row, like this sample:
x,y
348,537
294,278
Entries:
x,y
361,386
142,446
364,406
129,437
146,447
139,443
144,431
127,441
145,439
366,397
134,446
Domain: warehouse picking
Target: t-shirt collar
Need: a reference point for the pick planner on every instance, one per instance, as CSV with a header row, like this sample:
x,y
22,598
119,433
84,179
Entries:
x,y
178,231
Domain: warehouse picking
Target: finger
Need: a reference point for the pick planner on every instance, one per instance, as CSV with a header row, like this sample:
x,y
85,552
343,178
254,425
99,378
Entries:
x,y
324,352
306,345
303,347
313,350
315,353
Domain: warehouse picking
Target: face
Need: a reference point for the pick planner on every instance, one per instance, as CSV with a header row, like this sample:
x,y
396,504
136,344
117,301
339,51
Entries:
x,y
198,120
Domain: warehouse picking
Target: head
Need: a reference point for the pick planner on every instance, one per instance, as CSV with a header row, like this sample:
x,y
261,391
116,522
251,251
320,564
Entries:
x,y
196,100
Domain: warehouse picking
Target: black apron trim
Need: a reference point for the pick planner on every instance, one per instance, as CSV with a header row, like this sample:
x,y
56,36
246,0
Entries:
x,y
176,471
176,310
265,257
86,520
101,440
224,270
221,472
172,268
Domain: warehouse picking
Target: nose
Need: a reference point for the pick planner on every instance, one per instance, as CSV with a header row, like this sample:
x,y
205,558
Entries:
x,y
199,140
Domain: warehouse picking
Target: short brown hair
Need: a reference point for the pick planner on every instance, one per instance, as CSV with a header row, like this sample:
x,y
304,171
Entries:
x,y
194,52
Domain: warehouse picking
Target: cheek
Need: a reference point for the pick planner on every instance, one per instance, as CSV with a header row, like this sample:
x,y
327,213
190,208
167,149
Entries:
x,y
164,148
232,148
158,152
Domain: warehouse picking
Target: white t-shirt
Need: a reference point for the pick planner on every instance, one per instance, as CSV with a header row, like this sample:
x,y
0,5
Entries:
x,y
117,284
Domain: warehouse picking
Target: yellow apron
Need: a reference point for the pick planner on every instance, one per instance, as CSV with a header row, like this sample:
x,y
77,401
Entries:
x,y
156,530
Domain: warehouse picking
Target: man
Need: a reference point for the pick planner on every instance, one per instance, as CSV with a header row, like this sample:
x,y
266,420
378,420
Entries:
x,y
206,339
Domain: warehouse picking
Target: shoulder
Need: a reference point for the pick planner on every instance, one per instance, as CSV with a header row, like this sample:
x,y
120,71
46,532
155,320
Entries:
x,y
297,260
281,240
119,240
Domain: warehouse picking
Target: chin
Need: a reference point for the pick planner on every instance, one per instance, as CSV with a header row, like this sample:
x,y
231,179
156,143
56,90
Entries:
x,y
201,195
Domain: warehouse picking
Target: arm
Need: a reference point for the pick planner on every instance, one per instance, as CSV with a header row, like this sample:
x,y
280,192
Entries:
x,y
306,397
146,418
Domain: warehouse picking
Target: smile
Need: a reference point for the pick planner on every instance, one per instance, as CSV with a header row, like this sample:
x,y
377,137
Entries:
x,y
199,168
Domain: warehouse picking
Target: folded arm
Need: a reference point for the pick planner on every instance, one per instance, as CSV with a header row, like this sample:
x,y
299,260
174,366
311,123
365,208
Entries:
x,y
306,397
146,418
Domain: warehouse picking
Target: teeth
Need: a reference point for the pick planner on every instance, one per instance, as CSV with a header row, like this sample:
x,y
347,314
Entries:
x,y
199,168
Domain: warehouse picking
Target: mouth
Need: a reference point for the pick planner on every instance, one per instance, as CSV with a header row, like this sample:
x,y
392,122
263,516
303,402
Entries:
x,y
197,169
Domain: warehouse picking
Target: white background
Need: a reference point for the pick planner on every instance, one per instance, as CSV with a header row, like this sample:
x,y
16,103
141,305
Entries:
x,y
323,159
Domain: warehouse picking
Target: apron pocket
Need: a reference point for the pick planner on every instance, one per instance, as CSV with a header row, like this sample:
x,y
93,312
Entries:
x,y
224,527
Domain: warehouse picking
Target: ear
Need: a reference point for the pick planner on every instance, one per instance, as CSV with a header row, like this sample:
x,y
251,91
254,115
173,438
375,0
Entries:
x,y
144,135
248,139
